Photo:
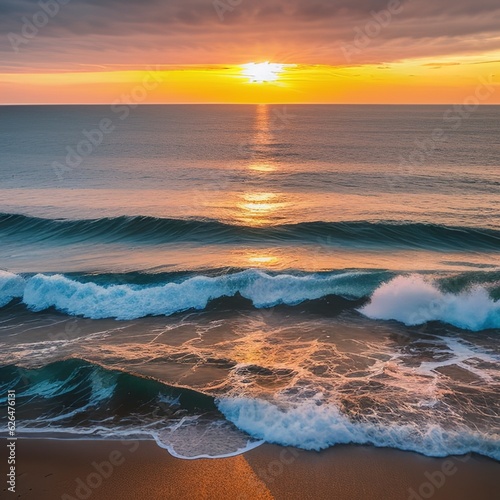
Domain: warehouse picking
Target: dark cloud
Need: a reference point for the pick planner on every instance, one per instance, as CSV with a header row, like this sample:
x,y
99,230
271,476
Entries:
x,y
188,31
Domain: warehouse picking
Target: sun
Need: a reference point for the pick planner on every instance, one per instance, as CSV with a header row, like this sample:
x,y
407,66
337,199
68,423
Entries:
x,y
262,72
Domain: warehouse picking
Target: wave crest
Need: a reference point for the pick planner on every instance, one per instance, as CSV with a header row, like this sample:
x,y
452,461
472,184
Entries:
x,y
414,301
153,230
132,302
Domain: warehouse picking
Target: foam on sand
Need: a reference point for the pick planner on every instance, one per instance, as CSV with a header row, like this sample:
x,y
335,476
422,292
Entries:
x,y
315,426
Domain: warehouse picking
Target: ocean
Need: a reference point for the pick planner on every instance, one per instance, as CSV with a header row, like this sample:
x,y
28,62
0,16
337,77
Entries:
x,y
215,277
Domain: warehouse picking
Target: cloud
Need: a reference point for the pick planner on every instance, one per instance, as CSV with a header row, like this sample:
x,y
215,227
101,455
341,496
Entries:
x,y
106,32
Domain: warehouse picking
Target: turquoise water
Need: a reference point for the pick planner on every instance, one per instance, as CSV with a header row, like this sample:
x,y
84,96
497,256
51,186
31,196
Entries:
x,y
306,275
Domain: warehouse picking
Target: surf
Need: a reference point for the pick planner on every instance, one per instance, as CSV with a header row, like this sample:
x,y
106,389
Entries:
x,y
86,399
468,302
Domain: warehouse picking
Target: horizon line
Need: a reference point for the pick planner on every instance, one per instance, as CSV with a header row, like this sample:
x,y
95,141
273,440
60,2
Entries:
x,y
244,104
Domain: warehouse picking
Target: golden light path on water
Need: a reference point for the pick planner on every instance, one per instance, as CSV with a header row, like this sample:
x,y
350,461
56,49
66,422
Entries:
x,y
259,209
255,197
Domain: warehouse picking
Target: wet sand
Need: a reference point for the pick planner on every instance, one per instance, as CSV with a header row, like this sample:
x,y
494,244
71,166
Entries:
x,y
126,470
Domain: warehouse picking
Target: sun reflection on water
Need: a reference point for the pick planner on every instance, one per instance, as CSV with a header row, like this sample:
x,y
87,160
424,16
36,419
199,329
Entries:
x,y
263,167
260,209
262,259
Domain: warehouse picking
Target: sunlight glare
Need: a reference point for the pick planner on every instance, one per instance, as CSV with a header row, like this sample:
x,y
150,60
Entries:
x,y
262,72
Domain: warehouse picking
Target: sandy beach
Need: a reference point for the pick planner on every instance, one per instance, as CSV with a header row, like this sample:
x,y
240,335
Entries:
x,y
108,470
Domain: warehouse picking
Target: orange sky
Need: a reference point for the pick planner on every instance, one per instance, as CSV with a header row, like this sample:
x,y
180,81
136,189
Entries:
x,y
192,51
408,82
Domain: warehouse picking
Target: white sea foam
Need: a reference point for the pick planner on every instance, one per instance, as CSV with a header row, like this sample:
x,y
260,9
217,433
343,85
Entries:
x,y
413,301
410,299
211,447
193,437
312,426
11,287
131,302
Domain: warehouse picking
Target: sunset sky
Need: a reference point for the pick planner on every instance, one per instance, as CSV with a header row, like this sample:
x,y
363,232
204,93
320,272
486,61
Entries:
x,y
194,51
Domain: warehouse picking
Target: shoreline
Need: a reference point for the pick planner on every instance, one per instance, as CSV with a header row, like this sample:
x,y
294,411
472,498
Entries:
x,y
49,469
